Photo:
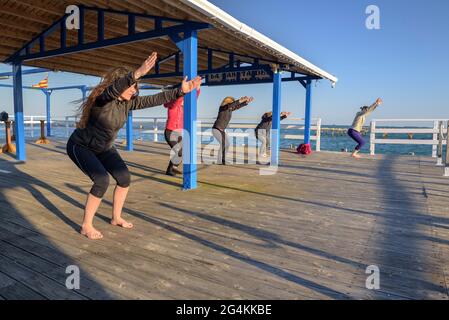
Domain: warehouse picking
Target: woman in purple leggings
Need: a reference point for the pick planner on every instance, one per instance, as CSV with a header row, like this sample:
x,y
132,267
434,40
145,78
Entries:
x,y
357,126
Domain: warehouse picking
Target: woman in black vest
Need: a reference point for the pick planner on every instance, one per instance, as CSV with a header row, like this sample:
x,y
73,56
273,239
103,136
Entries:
x,y
263,131
228,106
91,146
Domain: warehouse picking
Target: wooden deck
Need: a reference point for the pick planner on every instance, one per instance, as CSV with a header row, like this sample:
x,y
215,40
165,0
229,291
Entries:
x,y
308,232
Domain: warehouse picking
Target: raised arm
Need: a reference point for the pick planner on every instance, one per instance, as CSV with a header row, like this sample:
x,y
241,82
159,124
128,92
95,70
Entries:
x,y
284,115
230,105
373,107
242,102
114,91
165,97
238,106
155,100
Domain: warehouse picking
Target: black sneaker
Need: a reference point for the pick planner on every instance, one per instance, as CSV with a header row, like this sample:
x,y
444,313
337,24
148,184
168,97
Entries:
x,y
170,172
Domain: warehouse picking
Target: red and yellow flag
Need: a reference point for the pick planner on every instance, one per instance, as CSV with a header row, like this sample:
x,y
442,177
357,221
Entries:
x,y
42,84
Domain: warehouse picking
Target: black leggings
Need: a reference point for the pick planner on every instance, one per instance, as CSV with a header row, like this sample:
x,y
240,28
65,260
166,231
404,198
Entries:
x,y
222,138
174,140
97,166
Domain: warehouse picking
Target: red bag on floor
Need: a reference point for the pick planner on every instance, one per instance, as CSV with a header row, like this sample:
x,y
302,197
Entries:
x,y
304,148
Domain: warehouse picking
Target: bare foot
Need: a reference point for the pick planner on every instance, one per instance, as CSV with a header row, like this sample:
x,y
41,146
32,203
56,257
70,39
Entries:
x,y
91,233
355,156
122,223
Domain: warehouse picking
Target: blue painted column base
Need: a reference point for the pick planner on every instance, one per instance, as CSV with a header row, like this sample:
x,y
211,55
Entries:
x,y
308,112
129,132
190,51
276,124
18,112
48,101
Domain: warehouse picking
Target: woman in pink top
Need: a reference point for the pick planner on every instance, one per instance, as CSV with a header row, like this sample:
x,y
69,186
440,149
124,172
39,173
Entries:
x,y
173,132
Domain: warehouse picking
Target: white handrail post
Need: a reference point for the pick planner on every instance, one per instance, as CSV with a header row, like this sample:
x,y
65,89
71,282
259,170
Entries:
x,y
66,127
446,167
32,126
434,139
372,138
155,130
440,144
318,135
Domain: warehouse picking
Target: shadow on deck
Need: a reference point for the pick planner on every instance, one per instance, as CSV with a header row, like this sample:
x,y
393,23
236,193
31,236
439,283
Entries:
x,y
308,232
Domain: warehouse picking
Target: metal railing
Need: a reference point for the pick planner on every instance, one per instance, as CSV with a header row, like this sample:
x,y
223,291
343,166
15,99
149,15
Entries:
x,y
446,167
239,128
31,121
441,140
434,131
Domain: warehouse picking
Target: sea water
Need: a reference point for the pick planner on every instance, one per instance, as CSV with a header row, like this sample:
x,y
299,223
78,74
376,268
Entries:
x,y
337,142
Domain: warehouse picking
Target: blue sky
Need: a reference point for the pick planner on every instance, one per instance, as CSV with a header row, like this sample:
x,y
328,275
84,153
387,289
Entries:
x,y
405,62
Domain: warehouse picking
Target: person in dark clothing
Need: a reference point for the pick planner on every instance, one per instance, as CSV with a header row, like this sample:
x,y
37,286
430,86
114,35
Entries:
x,y
263,131
91,146
228,106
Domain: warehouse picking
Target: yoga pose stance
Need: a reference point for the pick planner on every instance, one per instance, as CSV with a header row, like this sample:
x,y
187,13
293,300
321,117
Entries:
x,y
228,106
355,131
263,131
91,146
173,131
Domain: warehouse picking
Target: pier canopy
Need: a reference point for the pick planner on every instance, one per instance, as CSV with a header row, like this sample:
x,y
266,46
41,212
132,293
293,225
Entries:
x,y
191,37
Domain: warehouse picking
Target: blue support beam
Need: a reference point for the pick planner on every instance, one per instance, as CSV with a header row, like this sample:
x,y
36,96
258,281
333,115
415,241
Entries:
x,y
190,52
63,33
177,63
81,29
276,124
100,32
18,112
132,24
48,111
84,90
308,112
24,72
178,41
154,34
12,86
129,132
25,53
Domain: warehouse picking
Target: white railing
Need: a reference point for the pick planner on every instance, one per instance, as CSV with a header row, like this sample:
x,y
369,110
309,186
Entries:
x,y
242,124
434,131
443,135
31,121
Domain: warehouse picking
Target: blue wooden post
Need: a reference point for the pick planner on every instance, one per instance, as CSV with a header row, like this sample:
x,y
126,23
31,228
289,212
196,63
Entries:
x,y
18,112
129,132
84,92
48,99
190,52
308,112
276,125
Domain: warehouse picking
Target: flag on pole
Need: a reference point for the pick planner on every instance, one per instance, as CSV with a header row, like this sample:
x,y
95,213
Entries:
x,y
42,84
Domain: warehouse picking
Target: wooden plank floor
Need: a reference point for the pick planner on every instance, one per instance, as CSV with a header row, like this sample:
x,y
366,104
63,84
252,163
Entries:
x,y
308,232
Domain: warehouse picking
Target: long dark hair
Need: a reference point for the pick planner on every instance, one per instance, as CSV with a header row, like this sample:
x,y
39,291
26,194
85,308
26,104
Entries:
x,y
106,81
